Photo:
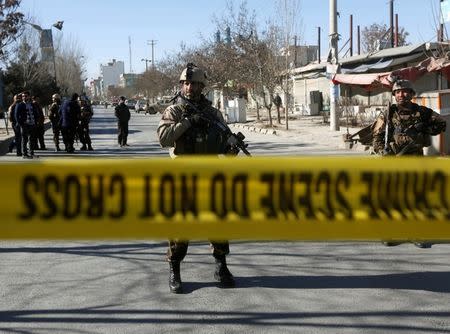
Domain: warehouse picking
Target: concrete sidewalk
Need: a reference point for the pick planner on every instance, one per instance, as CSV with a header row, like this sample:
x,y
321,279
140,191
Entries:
x,y
305,129
7,135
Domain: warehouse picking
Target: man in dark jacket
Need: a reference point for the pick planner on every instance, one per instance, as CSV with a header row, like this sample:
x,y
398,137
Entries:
x,y
122,113
27,117
69,114
54,119
39,143
17,142
83,128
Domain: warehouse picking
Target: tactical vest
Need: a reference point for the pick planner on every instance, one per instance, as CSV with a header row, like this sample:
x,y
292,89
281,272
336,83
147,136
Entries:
x,y
54,113
206,139
86,115
403,131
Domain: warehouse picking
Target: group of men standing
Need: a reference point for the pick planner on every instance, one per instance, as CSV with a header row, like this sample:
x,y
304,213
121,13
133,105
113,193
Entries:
x,y
27,119
70,119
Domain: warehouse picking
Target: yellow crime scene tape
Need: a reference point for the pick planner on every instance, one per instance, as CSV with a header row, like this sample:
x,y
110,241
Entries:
x,y
262,198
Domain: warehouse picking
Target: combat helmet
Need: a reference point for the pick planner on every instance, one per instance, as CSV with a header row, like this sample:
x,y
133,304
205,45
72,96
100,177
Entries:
x,y
56,97
403,84
193,74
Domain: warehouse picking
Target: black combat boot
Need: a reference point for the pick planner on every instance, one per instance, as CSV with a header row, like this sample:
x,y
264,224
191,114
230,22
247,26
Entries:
x,y
90,147
175,284
222,274
83,148
423,244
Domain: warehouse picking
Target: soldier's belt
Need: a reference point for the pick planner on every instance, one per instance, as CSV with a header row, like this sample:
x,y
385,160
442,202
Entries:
x,y
328,198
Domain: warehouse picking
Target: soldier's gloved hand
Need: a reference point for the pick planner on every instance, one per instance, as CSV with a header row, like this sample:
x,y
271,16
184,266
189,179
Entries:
x,y
387,151
420,127
197,120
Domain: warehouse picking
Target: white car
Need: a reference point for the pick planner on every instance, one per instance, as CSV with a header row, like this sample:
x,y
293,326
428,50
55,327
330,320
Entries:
x,y
130,103
161,105
140,105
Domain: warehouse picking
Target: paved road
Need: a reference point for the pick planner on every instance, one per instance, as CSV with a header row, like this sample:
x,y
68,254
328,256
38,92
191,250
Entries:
x,y
282,287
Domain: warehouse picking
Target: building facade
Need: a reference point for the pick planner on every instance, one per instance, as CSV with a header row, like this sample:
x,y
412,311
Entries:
x,y
110,74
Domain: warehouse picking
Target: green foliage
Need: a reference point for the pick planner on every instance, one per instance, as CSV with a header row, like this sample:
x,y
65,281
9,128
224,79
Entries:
x,y
10,22
27,73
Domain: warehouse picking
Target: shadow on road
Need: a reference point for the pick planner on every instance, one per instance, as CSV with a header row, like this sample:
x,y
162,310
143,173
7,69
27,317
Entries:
x,y
103,250
424,281
405,321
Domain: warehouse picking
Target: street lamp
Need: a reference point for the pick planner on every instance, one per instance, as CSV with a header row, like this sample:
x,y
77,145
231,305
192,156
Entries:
x,y
46,42
146,63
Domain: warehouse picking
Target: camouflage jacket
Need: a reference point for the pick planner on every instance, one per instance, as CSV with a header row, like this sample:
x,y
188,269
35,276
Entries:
x,y
86,115
176,131
409,129
54,113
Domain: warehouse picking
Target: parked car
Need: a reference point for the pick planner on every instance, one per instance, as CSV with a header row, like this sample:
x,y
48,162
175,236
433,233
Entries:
x,y
130,103
160,106
140,105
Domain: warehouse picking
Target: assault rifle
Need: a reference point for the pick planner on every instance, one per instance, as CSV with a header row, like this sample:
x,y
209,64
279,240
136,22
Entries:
x,y
406,148
235,140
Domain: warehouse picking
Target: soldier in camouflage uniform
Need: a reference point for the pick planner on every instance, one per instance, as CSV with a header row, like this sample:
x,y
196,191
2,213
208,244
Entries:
x,y
83,128
54,119
186,132
409,125
406,130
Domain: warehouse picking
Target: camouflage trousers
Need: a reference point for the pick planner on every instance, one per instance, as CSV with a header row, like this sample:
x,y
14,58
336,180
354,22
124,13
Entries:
x,y
178,249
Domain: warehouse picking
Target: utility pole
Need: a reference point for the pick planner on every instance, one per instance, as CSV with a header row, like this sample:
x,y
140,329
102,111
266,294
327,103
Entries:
x,y
152,42
295,51
351,35
146,63
396,31
359,40
129,48
441,23
318,45
333,67
392,22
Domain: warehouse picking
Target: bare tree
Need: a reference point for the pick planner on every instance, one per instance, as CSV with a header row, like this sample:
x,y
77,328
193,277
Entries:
x,y
154,83
69,63
377,36
242,59
288,16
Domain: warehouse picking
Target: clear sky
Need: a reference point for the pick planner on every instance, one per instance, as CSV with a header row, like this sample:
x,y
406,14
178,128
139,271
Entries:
x,y
102,27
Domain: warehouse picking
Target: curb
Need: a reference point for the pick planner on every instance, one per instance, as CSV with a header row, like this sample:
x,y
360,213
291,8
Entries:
x,y
4,144
5,141
252,128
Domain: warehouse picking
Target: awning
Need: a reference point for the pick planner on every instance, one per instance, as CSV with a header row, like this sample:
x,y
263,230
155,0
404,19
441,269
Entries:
x,y
385,79
381,64
367,80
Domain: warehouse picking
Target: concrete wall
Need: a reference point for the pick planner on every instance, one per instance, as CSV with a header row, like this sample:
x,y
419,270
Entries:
x,y
302,89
